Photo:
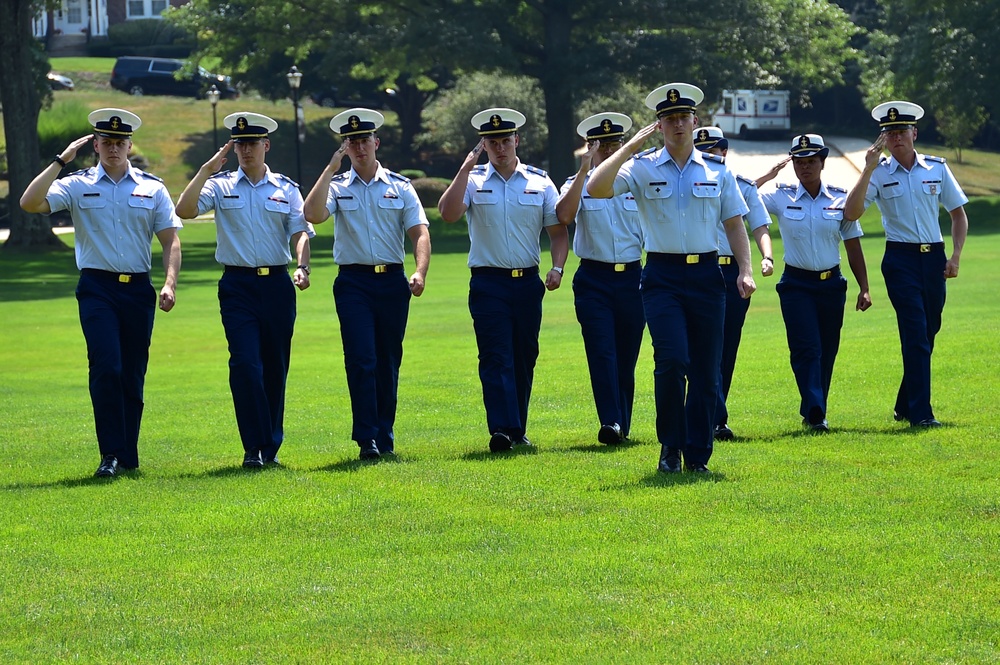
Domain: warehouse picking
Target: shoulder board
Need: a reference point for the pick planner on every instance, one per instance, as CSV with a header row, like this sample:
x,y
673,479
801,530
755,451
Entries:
x,y
149,175
746,180
570,179
81,171
884,161
932,158
341,176
643,153
396,176
220,174
788,186
282,176
535,170
481,168
714,158
839,190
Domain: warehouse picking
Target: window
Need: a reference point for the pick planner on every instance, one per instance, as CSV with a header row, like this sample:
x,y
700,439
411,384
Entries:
x,y
146,8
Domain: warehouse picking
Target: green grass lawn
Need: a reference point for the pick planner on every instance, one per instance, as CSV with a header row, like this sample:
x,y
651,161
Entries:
x,y
874,544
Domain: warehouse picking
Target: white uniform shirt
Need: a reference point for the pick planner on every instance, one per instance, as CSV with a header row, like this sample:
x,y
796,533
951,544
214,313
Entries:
x,y
253,223
680,206
756,218
811,229
908,200
606,229
506,217
371,219
114,222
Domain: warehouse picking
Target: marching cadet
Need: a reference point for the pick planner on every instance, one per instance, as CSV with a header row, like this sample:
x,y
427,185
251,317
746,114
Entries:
x,y
812,290
374,210
116,211
257,213
908,187
682,196
713,141
606,285
508,204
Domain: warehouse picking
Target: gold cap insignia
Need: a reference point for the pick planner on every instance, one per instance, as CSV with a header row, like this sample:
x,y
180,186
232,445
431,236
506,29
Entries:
x,y
803,141
703,135
495,120
354,121
115,122
893,113
673,96
606,126
241,123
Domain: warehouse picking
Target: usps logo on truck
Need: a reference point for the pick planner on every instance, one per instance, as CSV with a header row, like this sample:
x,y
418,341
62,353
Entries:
x,y
745,112
770,106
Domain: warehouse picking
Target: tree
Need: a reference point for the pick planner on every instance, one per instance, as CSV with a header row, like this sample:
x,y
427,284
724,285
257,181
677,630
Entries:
x,y
23,67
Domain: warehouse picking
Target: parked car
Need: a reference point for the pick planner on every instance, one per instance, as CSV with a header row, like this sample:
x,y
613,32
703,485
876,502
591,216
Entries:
x,y
59,82
331,97
155,76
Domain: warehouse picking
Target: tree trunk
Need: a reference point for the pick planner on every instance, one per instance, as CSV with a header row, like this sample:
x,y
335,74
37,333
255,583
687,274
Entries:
x,y
21,105
558,90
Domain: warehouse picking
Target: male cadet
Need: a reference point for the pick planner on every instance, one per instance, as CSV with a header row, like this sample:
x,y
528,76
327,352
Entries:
x,y
682,195
508,204
713,141
257,212
374,209
908,188
606,285
116,210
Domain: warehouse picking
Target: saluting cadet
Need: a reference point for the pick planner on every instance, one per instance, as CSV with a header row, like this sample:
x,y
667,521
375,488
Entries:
x,y
712,140
116,211
508,204
257,213
374,209
606,285
682,195
908,187
812,291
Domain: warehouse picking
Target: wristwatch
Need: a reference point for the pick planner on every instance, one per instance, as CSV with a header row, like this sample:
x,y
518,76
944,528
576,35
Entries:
x,y
558,269
304,269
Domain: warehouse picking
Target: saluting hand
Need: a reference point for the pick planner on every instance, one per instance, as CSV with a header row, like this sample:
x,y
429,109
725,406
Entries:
x,y
635,143
874,153
69,154
338,156
473,157
219,158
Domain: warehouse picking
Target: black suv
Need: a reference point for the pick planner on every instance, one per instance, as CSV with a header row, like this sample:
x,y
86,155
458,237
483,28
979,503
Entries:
x,y
155,76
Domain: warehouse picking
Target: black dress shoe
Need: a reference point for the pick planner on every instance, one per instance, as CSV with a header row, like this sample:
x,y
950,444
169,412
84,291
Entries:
x,y
523,441
929,423
822,427
670,461
271,461
898,417
252,460
723,433
368,450
108,467
610,435
500,442
698,468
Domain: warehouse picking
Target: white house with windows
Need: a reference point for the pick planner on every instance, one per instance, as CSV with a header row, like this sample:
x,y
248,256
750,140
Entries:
x,y
92,17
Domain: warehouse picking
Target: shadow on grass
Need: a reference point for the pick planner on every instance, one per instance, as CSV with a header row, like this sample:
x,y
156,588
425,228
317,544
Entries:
x,y
355,465
659,480
486,455
71,483
603,448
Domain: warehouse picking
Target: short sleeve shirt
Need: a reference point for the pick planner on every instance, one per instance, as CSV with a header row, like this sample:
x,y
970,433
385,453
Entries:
x,y
607,230
756,218
811,229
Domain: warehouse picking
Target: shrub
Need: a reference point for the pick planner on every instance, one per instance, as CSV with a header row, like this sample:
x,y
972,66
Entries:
x,y
60,125
430,190
412,174
148,32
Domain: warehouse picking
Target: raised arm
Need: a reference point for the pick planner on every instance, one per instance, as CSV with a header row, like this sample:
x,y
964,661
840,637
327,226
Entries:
x,y
602,181
569,201
854,206
314,208
452,203
33,199
187,204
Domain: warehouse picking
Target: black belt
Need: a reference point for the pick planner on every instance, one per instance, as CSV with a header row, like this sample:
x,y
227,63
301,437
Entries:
x,y
121,277
726,259
816,275
921,247
506,272
259,271
378,269
590,264
682,259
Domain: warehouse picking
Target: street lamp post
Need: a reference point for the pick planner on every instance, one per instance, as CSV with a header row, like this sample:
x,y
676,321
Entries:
x,y
213,95
294,77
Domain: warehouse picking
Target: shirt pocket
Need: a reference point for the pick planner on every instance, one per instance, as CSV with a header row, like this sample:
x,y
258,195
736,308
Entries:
x,y
279,206
390,203
231,203
833,215
891,190
630,204
485,197
706,190
140,202
931,187
530,198
93,202
658,190
348,203
589,203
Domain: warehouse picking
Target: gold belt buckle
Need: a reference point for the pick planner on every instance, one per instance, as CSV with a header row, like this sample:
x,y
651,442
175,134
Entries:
x,y
693,258
517,272
619,267
725,260
124,279
263,272
825,275
925,248
380,268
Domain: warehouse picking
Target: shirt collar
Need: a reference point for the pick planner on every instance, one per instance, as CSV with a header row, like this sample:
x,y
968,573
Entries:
x,y
665,157
893,164
129,173
380,174
268,176
801,191
520,168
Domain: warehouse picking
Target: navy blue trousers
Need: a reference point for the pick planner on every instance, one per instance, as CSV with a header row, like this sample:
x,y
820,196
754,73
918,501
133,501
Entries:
x,y
916,287
258,314
609,309
813,311
736,315
685,307
507,316
117,322
373,309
